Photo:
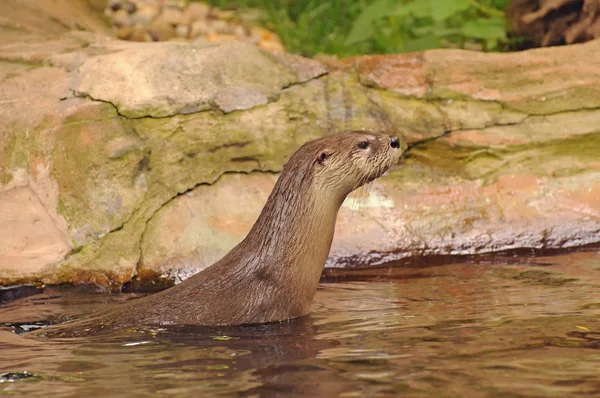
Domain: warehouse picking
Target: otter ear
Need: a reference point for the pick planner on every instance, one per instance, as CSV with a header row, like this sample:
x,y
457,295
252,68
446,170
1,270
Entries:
x,y
322,157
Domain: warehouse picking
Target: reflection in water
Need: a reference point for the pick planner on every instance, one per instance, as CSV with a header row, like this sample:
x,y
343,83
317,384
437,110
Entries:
x,y
526,327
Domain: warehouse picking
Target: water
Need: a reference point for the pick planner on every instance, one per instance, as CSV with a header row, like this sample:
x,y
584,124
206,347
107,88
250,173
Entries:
x,y
497,326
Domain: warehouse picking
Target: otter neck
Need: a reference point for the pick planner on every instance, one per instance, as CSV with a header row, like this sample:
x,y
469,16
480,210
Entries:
x,y
292,237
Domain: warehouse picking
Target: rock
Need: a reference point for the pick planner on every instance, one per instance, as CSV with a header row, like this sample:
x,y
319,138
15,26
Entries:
x,y
182,31
220,14
47,18
199,28
31,239
175,3
266,39
145,15
115,4
143,89
198,11
220,27
125,32
130,7
161,30
178,21
139,34
174,16
121,18
121,158
215,38
239,98
240,32
271,45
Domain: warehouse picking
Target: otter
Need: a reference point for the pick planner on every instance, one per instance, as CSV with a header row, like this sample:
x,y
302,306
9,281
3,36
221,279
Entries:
x,y
272,275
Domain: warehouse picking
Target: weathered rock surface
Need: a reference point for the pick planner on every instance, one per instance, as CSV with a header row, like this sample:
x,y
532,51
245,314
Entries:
x,y
120,159
192,78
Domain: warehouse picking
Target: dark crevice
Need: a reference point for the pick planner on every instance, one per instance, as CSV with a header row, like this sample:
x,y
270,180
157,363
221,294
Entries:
x,y
298,83
78,94
533,114
213,107
185,192
22,62
491,125
230,145
429,139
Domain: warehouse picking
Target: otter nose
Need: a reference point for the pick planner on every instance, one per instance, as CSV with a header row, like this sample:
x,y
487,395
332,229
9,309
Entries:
x,y
394,141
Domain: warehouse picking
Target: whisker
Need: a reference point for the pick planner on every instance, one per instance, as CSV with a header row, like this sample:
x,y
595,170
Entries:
x,y
357,197
368,191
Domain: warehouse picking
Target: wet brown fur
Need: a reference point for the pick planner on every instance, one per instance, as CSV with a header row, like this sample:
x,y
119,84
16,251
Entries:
x,y
272,275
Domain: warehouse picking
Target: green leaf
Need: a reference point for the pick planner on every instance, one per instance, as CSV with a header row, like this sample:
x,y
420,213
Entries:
x,y
362,27
443,9
500,4
422,43
416,8
485,28
439,30
491,44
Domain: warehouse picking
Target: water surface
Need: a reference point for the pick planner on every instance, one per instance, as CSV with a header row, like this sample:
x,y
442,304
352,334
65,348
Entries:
x,y
496,326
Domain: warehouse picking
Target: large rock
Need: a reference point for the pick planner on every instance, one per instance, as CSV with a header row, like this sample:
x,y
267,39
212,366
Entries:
x,y
120,159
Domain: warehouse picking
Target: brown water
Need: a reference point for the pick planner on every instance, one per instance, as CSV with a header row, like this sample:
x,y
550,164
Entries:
x,y
490,327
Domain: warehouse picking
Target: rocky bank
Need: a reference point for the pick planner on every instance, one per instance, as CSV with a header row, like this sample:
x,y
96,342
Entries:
x,y
123,159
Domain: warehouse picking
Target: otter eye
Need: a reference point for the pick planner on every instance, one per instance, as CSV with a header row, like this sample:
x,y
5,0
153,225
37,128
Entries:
x,y
322,157
363,145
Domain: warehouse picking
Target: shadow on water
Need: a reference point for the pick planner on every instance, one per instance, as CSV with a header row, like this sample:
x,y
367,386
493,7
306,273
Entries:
x,y
495,325
534,257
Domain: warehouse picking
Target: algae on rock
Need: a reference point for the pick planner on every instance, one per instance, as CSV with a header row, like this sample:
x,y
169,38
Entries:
x,y
117,148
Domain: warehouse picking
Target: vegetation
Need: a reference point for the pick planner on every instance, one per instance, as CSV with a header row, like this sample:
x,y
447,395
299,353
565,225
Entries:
x,y
351,27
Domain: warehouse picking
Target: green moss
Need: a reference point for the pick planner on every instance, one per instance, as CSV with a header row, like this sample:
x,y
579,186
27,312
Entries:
x,y
98,191
574,98
94,112
6,177
18,151
352,106
412,115
557,158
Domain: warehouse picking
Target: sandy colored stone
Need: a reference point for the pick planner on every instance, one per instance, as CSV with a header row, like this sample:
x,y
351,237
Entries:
x,y
216,37
133,80
31,240
140,34
125,32
198,11
455,218
518,80
121,18
132,158
199,28
161,30
182,21
271,45
220,27
145,15
174,16
182,31
50,18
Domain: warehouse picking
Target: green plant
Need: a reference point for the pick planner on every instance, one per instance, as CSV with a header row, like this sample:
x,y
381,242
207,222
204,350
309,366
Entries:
x,y
351,27
410,25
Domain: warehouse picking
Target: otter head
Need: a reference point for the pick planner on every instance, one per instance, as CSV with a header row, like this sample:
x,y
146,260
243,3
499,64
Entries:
x,y
349,160
340,163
